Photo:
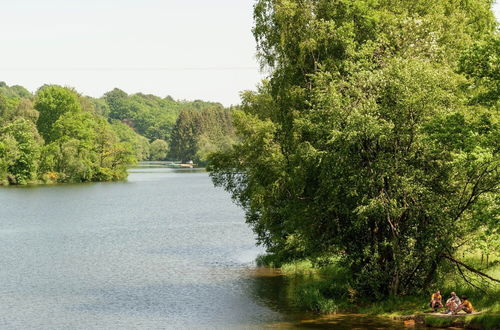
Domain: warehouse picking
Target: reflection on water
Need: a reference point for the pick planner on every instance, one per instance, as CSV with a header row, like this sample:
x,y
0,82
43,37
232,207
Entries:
x,y
271,288
163,250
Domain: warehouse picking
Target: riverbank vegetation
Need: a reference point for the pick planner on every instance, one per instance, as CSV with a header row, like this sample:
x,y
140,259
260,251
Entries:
x,y
58,135
55,136
328,289
371,151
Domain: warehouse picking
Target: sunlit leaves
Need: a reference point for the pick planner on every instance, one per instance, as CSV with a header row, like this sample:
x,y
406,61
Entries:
x,y
363,142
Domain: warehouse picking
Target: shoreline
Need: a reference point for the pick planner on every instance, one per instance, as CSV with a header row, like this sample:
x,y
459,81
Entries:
x,y
324,290
439,320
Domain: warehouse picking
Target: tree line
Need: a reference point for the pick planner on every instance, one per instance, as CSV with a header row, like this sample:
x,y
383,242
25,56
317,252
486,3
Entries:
x,y
59,135
178,130
374,141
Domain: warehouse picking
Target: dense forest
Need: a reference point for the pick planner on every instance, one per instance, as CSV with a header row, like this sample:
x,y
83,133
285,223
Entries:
x,y
374,143
58,135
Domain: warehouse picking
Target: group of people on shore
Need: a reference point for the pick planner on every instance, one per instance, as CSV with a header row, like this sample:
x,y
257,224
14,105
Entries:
x,y
453,305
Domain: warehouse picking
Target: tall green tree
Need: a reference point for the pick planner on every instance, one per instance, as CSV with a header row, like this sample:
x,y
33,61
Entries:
x,y
363,144
199,132
117,102
51,102
85,148
186,130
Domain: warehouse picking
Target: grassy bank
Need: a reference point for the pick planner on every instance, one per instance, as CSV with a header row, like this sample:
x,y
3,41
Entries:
x,y
326,289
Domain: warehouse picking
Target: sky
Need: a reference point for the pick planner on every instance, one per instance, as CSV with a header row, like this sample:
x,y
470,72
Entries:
x,y
188,49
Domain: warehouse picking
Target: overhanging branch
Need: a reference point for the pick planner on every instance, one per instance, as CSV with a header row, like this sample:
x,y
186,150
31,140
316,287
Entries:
x,y
469,268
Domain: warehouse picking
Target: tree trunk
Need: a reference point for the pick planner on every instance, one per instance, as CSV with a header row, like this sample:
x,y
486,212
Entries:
x,y
431,273
395,259
395,284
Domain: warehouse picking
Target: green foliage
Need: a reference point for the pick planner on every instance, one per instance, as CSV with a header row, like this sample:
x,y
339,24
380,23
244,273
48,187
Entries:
x,y
80,145
481,63
3,107
15,91
151,116
52,101
25,109
158,150
85,148
363,143
184,136
439,322
19,152
198,133
139,144
89,139
16,102
327,287
484,321
9,153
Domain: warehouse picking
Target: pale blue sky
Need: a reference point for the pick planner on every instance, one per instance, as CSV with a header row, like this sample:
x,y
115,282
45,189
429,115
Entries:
x,y
189,49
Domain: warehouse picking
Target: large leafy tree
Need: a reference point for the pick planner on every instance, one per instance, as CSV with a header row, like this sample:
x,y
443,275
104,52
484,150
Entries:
x,y
363,143
85,148
52,101
184,136
72,151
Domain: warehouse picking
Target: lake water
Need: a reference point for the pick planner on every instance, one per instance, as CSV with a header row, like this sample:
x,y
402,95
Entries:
x,y
163,250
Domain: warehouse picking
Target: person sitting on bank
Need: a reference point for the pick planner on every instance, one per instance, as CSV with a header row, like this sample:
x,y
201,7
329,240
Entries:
x,y
452,303
465,306
436,301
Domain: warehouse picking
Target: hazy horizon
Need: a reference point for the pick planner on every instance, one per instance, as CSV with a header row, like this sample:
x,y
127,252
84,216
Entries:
x,y
185,49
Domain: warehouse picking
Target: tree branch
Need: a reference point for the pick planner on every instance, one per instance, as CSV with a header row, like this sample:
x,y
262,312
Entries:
x,y
469,268
466,280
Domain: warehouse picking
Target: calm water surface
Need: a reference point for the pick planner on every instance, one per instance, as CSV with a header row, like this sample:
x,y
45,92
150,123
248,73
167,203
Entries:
x,y
163,250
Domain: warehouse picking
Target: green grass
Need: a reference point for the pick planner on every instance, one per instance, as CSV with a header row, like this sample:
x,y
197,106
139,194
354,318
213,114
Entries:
x,y
439,322
326,289
396,306
484,321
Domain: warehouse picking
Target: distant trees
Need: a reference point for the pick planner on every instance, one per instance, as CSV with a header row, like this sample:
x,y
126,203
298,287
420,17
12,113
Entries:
x,y
15,91
197,133
149,115
58,135
186,130
139,144
191,129
158,150
20,146
51,102
59,138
